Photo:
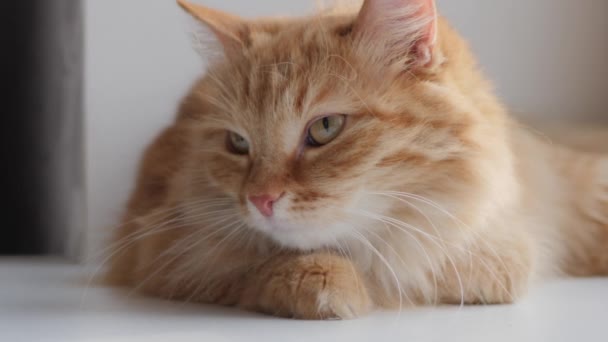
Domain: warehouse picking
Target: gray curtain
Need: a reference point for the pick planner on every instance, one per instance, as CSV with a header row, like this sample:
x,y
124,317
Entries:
x,y
42,112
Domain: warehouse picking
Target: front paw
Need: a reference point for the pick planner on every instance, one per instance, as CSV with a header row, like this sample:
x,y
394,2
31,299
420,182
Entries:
x,y
319,286
329,293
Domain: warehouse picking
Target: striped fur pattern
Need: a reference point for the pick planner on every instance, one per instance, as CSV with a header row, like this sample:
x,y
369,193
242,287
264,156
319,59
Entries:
x,y
431,194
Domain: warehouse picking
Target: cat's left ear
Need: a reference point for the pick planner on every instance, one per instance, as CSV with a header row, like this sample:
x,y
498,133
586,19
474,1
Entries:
x,y
231,31
403,31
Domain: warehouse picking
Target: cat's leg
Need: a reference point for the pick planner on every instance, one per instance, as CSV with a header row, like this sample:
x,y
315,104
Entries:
x,y
311,286
146,206
314,286
122,254
492,270
586,236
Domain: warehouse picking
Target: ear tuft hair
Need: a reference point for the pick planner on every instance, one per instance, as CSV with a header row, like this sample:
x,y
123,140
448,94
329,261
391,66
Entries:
x,y
402,32
229,30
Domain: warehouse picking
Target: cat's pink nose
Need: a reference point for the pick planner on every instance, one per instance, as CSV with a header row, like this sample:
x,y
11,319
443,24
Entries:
x,y
265,203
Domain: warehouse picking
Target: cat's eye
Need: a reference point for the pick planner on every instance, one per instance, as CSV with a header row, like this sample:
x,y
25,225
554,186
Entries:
x,y
324,130
237,144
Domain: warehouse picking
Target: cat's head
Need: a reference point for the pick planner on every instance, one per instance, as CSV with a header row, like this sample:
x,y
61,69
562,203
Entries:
x,y
317,127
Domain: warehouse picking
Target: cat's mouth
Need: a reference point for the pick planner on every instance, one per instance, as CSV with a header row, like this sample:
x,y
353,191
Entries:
x,y
301,239
273,226
273,223
301,235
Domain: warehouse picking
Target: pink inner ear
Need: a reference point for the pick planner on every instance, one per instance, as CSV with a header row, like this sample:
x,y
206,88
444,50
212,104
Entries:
x,y
411,24
429,9
425,46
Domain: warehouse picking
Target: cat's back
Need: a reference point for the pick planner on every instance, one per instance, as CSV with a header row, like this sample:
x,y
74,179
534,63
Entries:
x,y
583,137
564,171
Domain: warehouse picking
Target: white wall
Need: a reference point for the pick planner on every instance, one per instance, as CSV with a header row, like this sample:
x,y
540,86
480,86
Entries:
x,y
138,64
547,57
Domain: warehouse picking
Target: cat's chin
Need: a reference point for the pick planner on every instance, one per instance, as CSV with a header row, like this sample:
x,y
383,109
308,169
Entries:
x,y
303,242
305,238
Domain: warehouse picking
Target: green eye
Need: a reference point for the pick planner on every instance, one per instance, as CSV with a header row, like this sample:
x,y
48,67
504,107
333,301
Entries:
x,y
324,130
237,144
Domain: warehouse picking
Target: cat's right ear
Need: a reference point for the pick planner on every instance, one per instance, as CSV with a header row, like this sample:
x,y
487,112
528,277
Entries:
x,y
231,31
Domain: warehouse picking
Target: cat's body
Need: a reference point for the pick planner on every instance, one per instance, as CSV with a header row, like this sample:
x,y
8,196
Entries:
x,y
431,194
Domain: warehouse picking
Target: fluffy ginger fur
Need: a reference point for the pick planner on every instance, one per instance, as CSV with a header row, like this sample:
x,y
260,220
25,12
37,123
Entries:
x,y
431,194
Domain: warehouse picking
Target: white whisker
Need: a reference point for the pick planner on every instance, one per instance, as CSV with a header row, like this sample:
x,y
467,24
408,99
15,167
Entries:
x,y
361,238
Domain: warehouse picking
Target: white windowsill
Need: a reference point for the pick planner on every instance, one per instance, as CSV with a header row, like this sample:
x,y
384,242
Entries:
x,y
44,300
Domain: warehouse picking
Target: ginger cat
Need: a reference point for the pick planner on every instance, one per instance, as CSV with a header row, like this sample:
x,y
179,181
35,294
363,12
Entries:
x,y
351,160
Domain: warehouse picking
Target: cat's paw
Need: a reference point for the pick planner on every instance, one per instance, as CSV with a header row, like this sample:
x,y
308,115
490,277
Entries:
x,y
333,293
315,287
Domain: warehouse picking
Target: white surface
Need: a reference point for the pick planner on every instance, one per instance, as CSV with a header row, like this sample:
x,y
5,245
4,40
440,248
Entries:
x,y
46,301
546,56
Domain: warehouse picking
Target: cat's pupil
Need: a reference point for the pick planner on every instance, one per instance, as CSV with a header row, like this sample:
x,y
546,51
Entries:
x,y
326,123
